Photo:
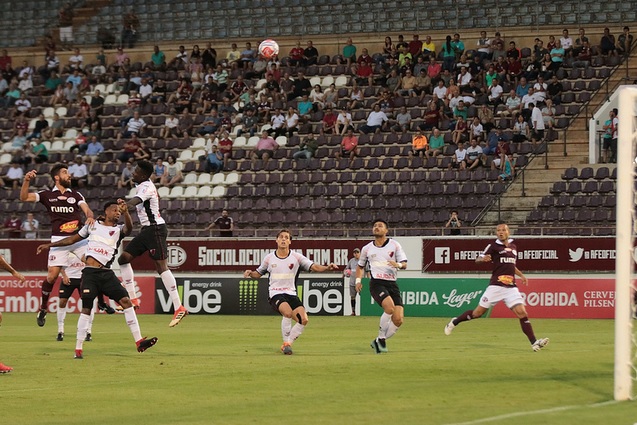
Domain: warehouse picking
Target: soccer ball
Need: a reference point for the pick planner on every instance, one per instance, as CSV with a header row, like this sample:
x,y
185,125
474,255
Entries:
x,y
268,48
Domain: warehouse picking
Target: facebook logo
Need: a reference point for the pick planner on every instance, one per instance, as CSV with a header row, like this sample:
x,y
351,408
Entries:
x,y
442,255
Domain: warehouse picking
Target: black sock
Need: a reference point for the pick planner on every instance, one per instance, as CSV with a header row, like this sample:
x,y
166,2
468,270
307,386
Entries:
x,y
47,288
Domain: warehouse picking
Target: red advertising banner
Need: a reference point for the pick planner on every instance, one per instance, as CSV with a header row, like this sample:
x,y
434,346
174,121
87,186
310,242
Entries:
x,y
534,254
566,299
16,297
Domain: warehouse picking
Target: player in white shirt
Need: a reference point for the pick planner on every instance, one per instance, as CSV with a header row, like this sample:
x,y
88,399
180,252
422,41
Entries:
x,y
151,239
104,238
283,266
385,257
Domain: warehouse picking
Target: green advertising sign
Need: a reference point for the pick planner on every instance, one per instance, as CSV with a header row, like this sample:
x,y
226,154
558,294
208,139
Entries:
x,y
430,297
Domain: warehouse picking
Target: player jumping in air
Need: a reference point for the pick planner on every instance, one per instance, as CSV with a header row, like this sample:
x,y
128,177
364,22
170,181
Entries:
x,y
385,257
503,253
65,207
151,239
284,266
104,238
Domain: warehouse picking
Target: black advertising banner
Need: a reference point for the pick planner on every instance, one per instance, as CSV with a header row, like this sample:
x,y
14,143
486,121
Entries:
x,y
210,295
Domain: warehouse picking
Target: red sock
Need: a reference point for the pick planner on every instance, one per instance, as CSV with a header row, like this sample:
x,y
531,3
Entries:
x,y
527,329
47,288
467,315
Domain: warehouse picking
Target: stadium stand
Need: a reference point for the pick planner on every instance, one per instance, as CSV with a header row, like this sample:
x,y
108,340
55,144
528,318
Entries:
x,y
324,194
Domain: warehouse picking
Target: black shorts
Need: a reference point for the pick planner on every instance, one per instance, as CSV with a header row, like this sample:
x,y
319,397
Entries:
x,y
97,281
381,289
279,299
606,143
151,239
67,290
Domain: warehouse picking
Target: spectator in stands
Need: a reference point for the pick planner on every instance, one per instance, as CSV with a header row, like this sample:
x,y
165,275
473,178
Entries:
x,y
344,122
475,157
37,153
291,121
537,122
214,160
407,85
625,42
56,129
393,81
301,86
349,52
349,146
182,98
364,74
454,223
506,170
607,44
22,106
501,152
317,98
14,176
431,117
458,45
173,174
476,130
415,46
209,57
403,120
52,83
307,148
486,117
12,226
224,223
180,60
158,170
583,56
484,46
220,77
277,123
458,161
377,120
521,131
249,123
540,89
296,55
130,28
158,59
93,150
65,22
120,61
264,149
609,146
356,97
233,56
579,42
554,90
210,124
186,124
171,127
129,149
40,125
419,145
459,132
548,113
68,96
329,122
126,178
30,227
78,172
310,54
225,148
436,143
566,41
17,144
558,53
135,126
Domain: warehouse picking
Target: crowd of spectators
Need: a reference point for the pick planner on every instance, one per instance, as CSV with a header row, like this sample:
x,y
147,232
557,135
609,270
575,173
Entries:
x,y
462,91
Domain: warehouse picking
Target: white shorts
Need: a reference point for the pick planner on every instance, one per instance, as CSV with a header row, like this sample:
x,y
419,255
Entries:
x,y
494,294
66,34
62,256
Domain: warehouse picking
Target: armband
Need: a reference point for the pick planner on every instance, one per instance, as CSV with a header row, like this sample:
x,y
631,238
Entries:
x,y
358,280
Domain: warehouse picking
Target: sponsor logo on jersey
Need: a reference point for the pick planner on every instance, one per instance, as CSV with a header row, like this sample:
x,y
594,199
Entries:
x,y
69,227
291,266
61,198
63,210
71,201
111,232
391,254
506,279
51,257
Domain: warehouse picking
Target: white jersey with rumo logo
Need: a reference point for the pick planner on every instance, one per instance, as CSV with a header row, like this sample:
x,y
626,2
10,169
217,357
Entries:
x,y
378,257
148,209
103,241
283,271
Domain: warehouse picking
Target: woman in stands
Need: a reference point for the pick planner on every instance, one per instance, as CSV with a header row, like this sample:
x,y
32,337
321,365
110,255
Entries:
x,y
520,130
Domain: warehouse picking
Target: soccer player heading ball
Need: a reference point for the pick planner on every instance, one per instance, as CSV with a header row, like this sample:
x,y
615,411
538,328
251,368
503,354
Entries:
x,y
503,253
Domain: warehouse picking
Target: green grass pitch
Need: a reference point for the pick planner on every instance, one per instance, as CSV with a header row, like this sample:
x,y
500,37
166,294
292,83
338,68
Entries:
x,y
229,370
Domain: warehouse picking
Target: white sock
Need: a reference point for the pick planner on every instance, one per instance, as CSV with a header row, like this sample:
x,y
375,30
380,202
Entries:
x,y
391,330
296,331
128,278
171,286
286,327
133,324
82,328
61,316
90,323
385,320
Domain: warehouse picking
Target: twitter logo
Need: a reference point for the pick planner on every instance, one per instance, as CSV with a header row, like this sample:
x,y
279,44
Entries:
x,y
575,255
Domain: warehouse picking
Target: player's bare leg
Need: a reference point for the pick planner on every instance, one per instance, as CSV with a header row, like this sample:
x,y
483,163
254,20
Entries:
x,y
170,284
390,321
47,287
467,315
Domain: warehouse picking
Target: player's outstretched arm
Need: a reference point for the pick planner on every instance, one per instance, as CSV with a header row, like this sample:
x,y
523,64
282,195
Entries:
x,y
483,259
6,266
63,242
132,203
128,220
251,273
319,268
519,274
90,218
25,195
